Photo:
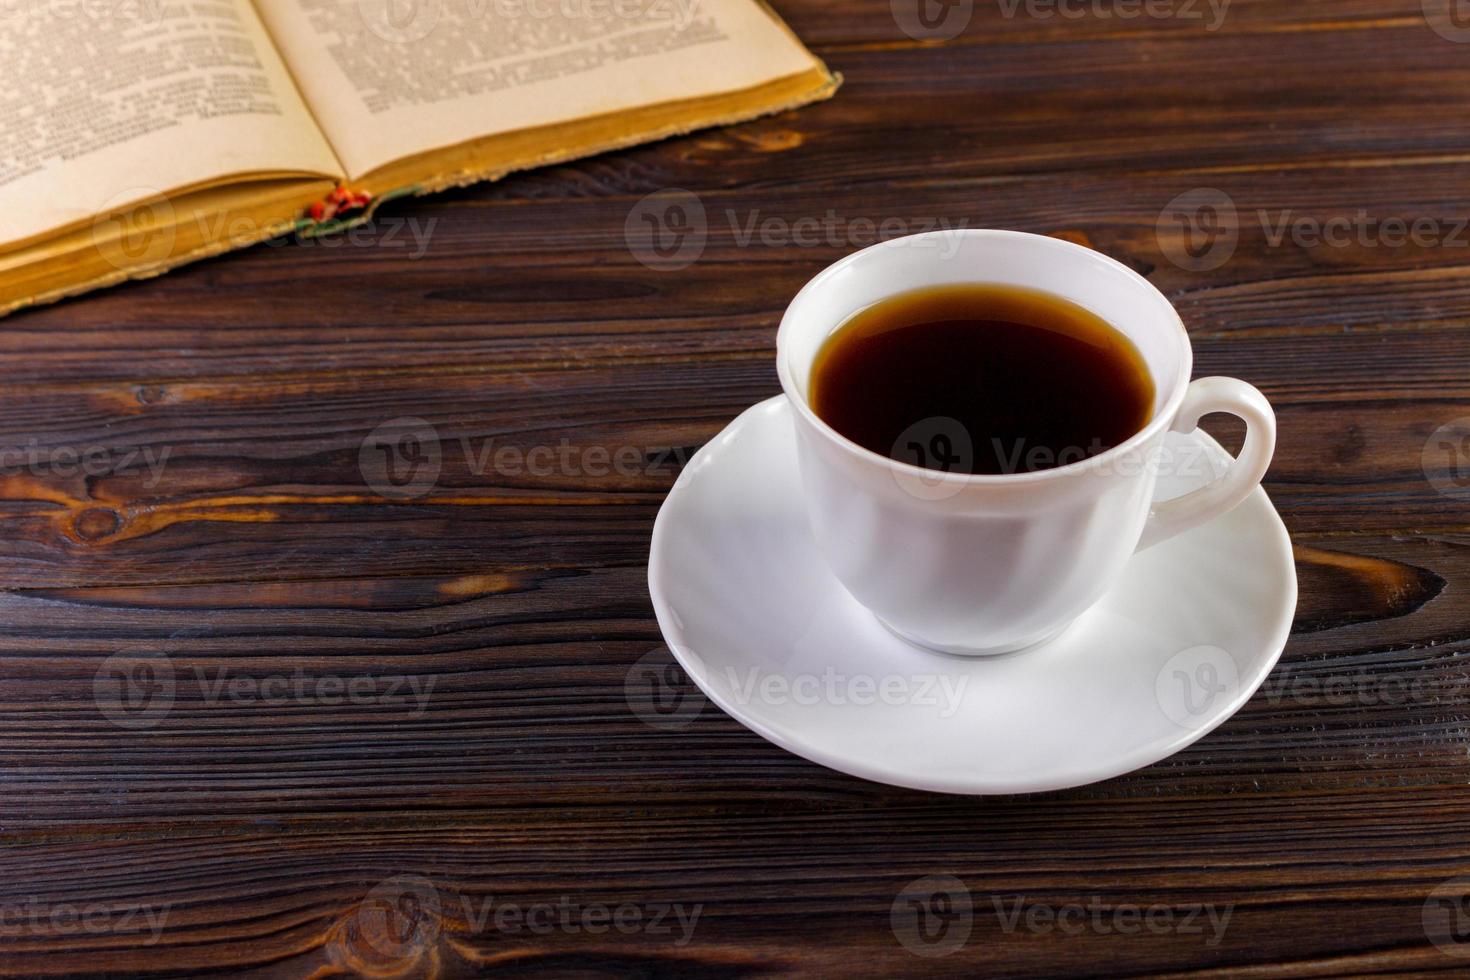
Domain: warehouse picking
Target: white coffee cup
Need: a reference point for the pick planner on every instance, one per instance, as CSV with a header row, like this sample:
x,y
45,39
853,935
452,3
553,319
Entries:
x,y
991,564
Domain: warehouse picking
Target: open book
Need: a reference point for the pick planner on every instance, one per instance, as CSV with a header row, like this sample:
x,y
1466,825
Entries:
x,y
136,135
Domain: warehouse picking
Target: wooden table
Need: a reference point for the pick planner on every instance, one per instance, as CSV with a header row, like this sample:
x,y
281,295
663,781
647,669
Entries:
x,y
220,609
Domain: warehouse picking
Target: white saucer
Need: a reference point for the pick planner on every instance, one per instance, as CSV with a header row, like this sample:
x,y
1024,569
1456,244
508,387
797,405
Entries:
x,y
757,621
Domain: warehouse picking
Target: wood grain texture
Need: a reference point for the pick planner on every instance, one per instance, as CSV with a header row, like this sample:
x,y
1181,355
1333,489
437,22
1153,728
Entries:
x,y
386,734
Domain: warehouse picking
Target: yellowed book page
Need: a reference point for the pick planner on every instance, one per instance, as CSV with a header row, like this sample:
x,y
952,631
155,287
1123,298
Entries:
x,y
391,78
113,102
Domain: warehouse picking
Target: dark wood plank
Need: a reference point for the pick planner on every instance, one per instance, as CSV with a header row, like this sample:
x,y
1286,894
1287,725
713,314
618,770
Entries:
x,y
774,892
382,694
828,24
1180,100
556,283
274,479
228,520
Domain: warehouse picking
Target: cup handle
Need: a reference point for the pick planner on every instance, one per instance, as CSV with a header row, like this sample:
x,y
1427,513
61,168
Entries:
x,y
1205,395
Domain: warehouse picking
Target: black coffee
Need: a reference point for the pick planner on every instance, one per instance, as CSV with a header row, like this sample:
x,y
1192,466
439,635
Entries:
x,y
981,379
